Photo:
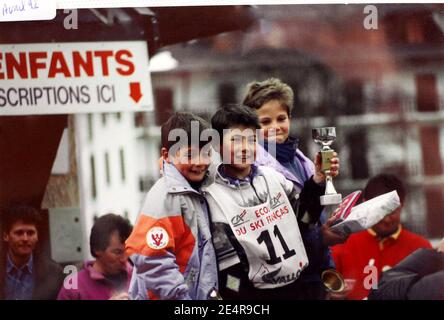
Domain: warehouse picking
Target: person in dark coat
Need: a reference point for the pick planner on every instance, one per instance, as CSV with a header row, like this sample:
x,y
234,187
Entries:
x,y
420,276
26,274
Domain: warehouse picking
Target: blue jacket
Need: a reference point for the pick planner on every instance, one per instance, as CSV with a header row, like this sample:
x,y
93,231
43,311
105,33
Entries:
x,y
288,160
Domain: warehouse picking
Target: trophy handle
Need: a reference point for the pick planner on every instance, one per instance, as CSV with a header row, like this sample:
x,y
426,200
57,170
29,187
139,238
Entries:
x,y
331,197
329,187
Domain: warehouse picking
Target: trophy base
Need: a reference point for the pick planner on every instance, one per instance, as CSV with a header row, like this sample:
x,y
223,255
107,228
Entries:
x,y
331,199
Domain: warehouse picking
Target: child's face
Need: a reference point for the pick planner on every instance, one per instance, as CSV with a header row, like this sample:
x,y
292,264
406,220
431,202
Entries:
x,y
274,121
191,162
238,148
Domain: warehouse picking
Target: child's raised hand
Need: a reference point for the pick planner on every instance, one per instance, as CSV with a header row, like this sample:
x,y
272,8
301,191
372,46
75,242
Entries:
x,y
319,176
330,237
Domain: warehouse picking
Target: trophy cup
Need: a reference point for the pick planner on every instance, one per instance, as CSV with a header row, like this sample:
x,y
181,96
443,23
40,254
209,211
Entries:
x,y
325,137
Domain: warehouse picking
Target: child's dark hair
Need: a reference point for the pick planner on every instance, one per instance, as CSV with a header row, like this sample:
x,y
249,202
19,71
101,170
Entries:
x,y
383,183
104,227
234,115
184,121
23,213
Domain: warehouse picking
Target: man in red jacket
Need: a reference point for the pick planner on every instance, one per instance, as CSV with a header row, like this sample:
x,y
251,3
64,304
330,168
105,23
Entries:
x,y
366,254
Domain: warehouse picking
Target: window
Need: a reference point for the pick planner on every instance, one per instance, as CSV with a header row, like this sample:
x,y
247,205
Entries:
x,y
104,118
90,126
122,164
107,169
426,93
93,177
226,93
164,101
139,119
141,184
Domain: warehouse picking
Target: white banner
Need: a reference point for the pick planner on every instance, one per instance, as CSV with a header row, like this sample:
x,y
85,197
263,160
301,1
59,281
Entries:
x,y
54,78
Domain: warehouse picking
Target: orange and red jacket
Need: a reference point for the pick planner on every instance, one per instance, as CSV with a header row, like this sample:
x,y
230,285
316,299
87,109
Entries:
x,y
171,246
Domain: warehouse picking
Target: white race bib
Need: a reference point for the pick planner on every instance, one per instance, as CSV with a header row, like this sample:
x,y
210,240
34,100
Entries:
x,y
268,233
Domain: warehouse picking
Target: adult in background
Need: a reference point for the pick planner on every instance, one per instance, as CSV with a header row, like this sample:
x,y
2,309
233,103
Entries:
x,y
108,276
25,273
382,246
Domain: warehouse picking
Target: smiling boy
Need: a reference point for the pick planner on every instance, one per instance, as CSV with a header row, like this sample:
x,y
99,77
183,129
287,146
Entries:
x,y
256,214
171,246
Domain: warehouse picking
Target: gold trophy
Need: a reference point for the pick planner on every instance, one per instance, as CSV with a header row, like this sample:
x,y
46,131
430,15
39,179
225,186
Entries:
x,y
325,137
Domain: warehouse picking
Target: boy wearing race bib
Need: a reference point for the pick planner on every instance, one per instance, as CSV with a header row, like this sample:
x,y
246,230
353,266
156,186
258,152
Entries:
x,y
256,216
273,102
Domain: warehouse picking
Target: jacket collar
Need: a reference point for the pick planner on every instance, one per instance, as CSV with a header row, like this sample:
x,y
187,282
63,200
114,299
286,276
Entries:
x,y
285,152
235,181
393,236
175,182
264,158
219,177
27,267
96,275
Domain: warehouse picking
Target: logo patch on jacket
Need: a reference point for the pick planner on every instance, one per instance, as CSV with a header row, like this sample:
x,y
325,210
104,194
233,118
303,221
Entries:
x,y
157,238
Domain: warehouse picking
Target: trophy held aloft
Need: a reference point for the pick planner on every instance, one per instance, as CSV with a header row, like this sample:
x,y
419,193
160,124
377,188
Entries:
x,y
325,137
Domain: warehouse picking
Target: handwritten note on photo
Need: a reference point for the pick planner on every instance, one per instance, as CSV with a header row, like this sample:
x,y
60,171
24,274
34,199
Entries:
x,y
25,10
